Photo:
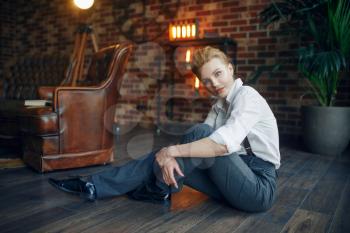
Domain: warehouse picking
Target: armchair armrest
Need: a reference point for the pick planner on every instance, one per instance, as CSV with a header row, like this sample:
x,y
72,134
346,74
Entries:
x,y
72,94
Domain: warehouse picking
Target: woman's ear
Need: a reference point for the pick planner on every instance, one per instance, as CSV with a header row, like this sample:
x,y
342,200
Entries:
x,y
231,69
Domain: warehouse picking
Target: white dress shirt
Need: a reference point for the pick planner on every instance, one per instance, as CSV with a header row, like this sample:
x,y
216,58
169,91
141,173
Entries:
x,y
245,113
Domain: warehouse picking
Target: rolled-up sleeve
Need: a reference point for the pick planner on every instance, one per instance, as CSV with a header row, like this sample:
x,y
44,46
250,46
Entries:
x,y
244,115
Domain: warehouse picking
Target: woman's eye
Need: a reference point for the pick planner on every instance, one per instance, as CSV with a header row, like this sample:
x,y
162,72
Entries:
x,y
206,82
217,74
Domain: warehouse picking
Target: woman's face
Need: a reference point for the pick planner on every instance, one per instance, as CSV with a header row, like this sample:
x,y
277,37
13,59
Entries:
x,y
217,77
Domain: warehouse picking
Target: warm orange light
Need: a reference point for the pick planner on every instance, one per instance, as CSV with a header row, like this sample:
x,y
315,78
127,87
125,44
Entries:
x,y
182,30
193,30
172,32
196,83
178,31
173,29
188,55
188,29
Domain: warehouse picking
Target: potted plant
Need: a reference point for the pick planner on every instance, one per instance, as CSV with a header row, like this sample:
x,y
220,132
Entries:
x,y
323,58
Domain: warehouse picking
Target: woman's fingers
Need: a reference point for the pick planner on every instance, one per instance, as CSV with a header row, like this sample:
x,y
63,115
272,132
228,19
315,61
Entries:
x,y
165,178
168,172
172,174
178,170
171,177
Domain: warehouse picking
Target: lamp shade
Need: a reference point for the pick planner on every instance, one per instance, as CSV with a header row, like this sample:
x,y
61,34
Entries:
x,y
84,4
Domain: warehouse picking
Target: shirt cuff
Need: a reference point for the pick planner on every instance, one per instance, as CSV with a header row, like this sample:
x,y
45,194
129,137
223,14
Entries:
x,y
216,137
220,139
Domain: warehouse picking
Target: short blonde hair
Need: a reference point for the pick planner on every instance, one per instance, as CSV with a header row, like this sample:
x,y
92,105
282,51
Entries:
x,y
204,55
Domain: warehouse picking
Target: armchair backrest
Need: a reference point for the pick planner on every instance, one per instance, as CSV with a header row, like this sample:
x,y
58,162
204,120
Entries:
x,y
111,84
100,63
86,113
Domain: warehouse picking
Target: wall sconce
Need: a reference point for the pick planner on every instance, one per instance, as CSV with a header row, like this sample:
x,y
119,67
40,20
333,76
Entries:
x,y
183,30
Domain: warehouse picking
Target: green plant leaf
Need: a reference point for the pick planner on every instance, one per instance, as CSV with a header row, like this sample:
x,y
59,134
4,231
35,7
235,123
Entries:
x,y
327,24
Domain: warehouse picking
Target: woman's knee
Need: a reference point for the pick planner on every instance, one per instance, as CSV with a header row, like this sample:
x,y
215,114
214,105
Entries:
x,y
197,132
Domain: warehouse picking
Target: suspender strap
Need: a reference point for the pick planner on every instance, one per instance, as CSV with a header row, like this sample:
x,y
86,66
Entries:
x,y
247,147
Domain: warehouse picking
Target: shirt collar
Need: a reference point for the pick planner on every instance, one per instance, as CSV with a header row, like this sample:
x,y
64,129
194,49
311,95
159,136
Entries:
x,y
231,95
234,90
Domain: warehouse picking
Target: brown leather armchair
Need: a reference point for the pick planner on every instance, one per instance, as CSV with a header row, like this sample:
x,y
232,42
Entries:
x,y
76,131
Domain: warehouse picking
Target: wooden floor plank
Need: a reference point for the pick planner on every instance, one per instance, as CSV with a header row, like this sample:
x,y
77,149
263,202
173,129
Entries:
x,y
341,219
292,165
304,221
31,222
31,201
272,221
90,217
309,174
292,197
224,219
180,221
128,220
325,196
283,177
17,175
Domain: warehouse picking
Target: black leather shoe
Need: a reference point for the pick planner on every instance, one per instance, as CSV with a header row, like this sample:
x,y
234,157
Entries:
x,y
76,186
151,193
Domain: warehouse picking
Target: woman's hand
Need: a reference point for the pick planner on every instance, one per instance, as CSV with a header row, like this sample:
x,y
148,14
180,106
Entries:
x,y
168,165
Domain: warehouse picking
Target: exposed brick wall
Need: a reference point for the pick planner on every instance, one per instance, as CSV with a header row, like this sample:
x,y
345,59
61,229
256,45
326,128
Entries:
x,y
8,34
48,26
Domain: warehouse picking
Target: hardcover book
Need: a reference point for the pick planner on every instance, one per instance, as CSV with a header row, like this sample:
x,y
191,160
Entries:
x,y
37,103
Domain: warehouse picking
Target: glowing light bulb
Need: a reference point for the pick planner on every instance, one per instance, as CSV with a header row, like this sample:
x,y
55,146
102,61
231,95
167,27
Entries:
x,y
188,28
173,32
193,30
178,31
196,83
188,55
183,31
84,4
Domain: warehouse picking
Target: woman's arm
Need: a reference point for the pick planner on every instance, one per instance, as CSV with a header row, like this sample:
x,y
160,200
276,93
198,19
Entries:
x,y
204,148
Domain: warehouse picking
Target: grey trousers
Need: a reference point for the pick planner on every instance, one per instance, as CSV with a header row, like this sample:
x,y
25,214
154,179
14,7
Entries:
x,y
245,182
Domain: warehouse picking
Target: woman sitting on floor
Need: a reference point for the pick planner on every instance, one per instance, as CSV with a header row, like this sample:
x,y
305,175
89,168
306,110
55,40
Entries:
x,y
232,157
